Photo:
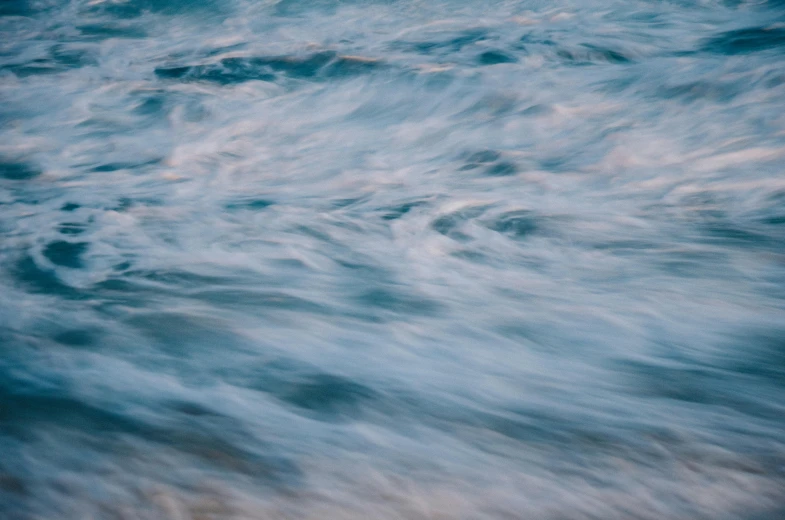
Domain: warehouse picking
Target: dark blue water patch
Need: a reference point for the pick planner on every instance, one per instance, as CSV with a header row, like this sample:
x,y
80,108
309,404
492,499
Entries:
x,y
124,266
399,210
11,484
397,301
17,171
581,57
20,412
192,409
572,160
484,156
70,206
221,73
15,8
502,169
495,57
491,161
325,397
774,220
727,233
746,41
123,204
36,279
250,204
759,354
76,337
127,165
771,212
683,383
319,65
66,254
154,105
111,30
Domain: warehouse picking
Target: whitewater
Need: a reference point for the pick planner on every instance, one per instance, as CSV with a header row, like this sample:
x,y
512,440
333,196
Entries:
x,y
392,259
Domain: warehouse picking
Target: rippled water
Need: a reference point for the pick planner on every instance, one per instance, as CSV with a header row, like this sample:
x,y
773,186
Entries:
x,y
392,259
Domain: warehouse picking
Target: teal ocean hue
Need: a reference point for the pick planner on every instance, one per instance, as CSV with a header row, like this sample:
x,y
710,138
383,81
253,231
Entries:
x,y
392,259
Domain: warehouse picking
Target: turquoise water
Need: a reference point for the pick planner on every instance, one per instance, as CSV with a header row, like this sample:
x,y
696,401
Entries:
x,y
392,259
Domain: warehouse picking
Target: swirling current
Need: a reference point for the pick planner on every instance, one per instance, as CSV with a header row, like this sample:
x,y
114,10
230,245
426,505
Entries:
x,y
392,259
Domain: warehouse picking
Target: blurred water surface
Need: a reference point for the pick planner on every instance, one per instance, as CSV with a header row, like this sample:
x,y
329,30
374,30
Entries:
x,y
392,259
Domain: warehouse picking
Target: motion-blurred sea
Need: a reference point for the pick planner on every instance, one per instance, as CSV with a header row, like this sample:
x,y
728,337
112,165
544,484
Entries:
x,y
392,259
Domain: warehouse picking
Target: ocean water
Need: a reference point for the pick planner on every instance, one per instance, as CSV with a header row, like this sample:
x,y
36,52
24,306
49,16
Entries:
x,y
392,259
